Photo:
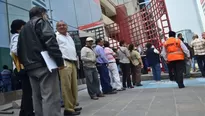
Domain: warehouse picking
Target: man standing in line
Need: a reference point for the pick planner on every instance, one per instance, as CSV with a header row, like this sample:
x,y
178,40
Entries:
x,y
102,64
187,61
89,63
199,51
124,56
113,70
68,75
26,101
37,36
173,52
153,59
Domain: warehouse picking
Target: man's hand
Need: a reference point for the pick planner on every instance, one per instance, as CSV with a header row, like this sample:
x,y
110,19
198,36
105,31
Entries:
x,y
62,67
142,66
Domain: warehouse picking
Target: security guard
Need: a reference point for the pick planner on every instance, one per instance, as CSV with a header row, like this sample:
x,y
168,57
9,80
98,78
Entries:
x,y
174,52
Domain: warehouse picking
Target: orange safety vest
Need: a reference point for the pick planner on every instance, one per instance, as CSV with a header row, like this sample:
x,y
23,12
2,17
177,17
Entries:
x,y
173,49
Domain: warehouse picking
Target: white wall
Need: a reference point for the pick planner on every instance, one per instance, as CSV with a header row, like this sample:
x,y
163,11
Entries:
x,y
184,14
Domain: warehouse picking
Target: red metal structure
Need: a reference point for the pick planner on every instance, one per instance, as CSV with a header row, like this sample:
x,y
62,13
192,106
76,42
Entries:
x,y
150,24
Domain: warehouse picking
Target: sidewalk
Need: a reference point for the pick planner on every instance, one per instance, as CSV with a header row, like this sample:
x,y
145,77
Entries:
x,y
153,99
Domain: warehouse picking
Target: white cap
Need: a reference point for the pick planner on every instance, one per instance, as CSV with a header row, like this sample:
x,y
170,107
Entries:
x,y
89,39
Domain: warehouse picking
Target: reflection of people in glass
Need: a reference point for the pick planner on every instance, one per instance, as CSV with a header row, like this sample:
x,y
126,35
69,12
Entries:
x,y
26,102
6,78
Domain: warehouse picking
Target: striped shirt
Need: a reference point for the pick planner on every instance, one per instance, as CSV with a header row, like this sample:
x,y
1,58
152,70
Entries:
x,y
199,46
110,54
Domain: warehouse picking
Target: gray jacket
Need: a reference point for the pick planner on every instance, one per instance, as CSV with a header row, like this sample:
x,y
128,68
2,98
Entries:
x,y
88,57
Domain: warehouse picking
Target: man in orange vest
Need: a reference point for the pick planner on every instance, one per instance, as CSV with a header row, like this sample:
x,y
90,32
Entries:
x,y
174,52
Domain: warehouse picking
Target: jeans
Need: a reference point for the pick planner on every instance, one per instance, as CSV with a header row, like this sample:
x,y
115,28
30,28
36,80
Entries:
x,y
187,68
156,71
201,63
104,78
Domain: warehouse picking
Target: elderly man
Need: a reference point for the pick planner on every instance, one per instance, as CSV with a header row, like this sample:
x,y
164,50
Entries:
x,y
35,37
89,63
68,75
199,51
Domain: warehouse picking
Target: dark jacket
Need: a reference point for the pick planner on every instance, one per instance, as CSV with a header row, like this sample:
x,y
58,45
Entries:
x,y
152,57
36,36
191,50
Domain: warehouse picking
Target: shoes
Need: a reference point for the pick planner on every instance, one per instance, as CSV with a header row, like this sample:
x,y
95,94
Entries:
x,y
112,92
101,95
94,98
78,109
124,88
139,85
131,87
69,113
77,104
181,85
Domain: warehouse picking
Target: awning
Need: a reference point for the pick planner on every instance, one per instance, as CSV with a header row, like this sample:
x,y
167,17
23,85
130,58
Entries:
x,y
86,34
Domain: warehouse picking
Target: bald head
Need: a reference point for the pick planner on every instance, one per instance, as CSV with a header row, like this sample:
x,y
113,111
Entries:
x,y
62,27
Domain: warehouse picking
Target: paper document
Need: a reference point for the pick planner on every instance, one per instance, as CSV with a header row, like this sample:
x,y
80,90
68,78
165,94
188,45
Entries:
x,y
49,61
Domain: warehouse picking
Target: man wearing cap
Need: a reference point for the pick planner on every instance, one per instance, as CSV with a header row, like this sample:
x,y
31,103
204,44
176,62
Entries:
x,y
68,75
174,52
89,65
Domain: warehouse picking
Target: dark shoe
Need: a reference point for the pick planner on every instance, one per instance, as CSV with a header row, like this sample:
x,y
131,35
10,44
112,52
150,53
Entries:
x,y
69,113
139,85
114,89
181,86
123,88
62,106
78,109
112,92
94,98
131,87
77,104
120,89
101,95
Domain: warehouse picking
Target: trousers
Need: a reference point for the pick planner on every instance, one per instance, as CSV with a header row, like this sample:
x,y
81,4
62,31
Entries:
x,y
114,76
46,92
69,87
136,74
178,68
126,81
104,78
92,81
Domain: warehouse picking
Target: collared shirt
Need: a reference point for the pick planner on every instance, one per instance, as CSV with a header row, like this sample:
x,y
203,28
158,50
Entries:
x,y
101,57
13,44
183,47
123,54
199,46
67,46
110,54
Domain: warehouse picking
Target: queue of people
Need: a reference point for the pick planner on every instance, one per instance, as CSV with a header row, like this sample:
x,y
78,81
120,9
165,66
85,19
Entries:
x,y
41,87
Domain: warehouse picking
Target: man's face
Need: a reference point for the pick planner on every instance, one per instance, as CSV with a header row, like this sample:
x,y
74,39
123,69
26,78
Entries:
x,y
180,36
203,35
62,28
89,43
101,43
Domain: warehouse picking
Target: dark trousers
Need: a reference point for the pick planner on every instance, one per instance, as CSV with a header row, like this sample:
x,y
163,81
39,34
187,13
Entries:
x,y
201,62
178,68
156,71
126,81
104,78
136,74
92,81
26,101
171,72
